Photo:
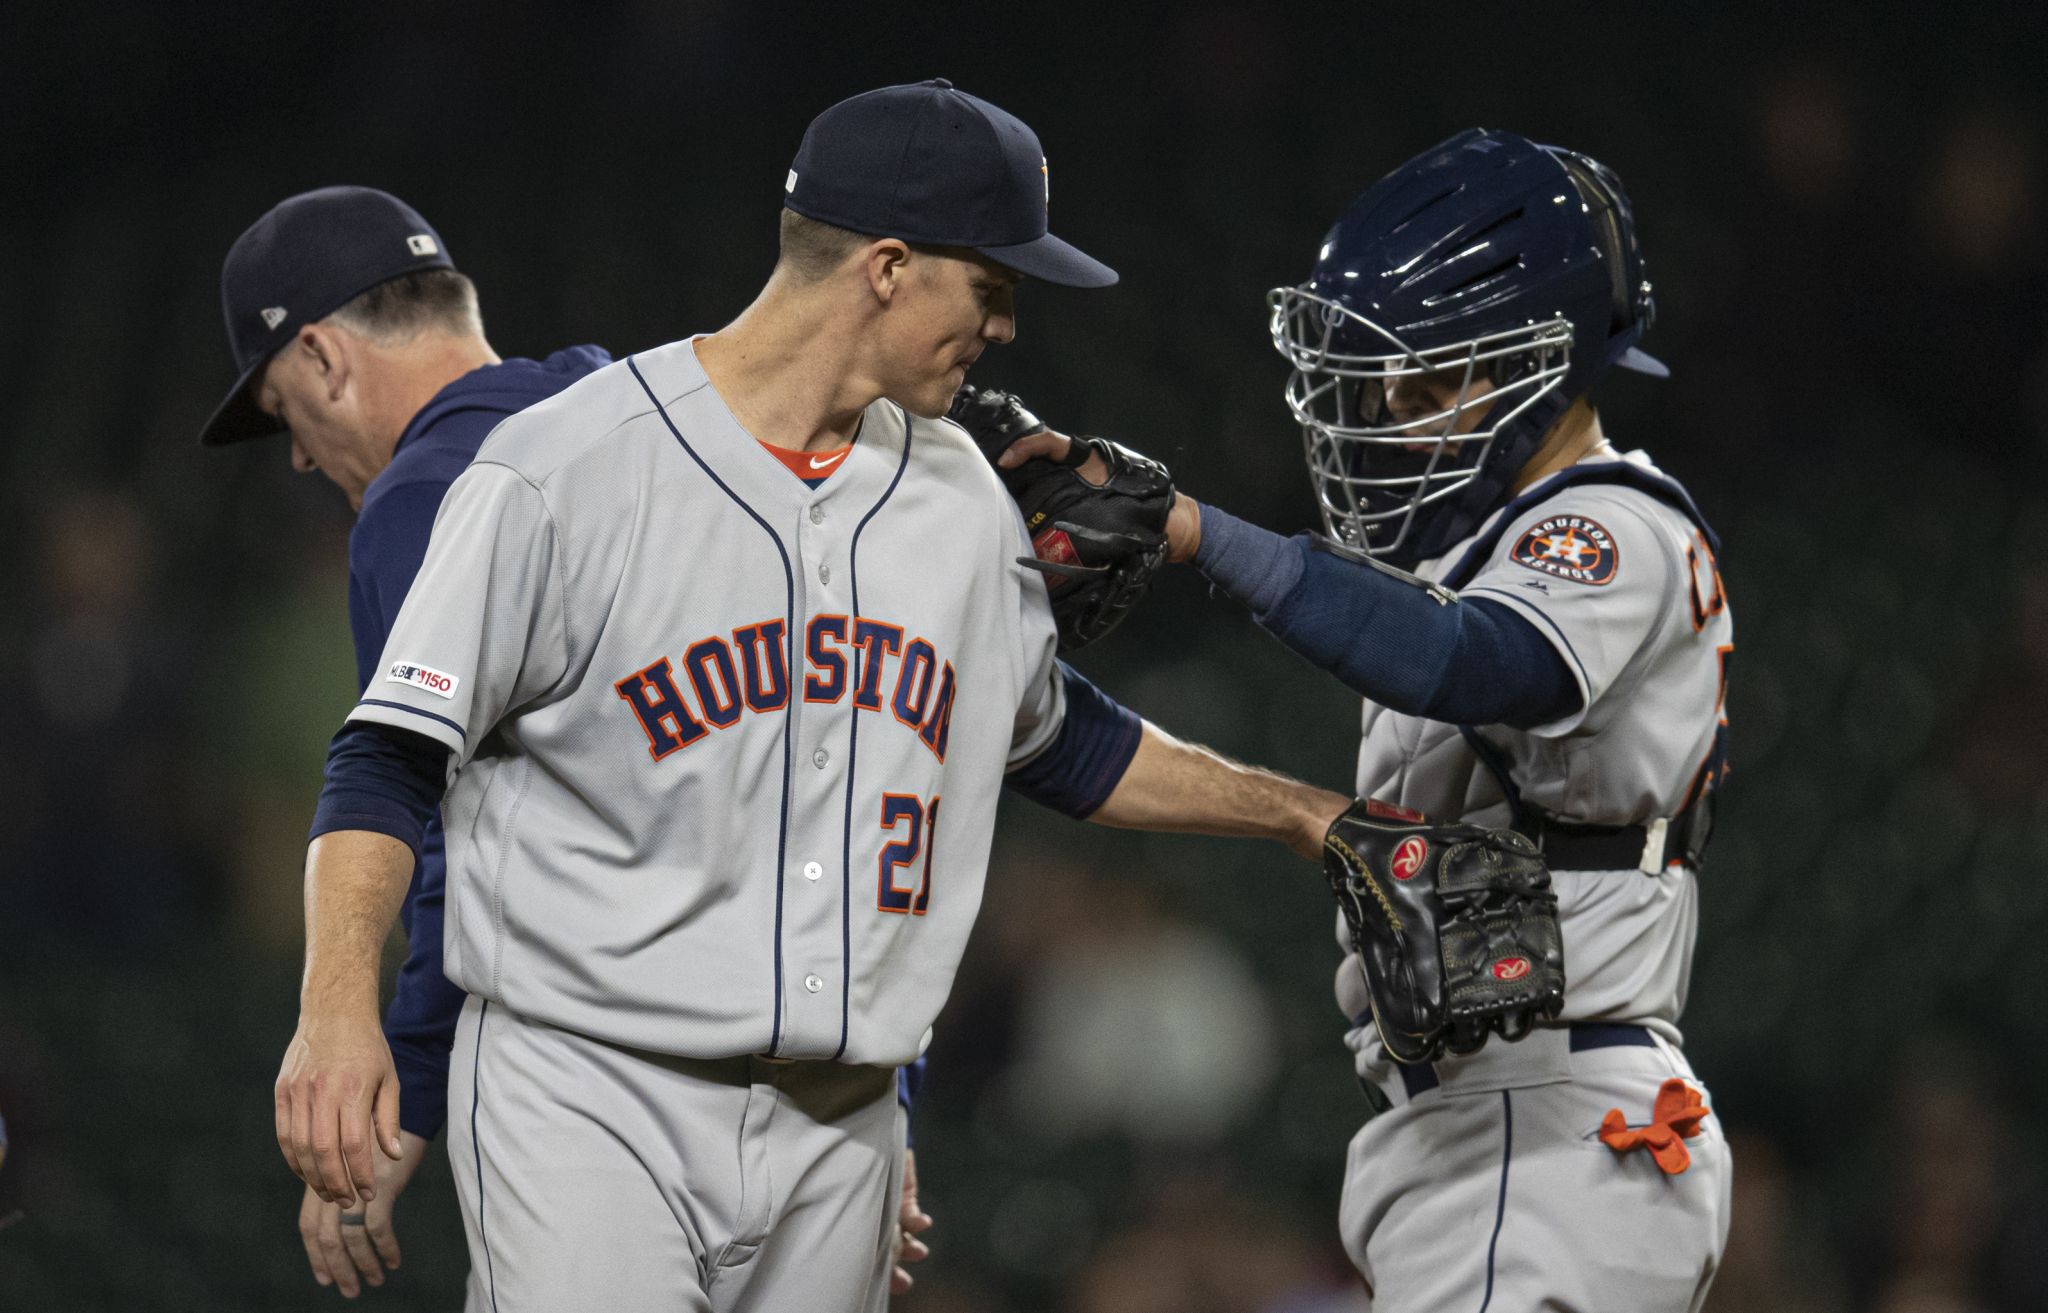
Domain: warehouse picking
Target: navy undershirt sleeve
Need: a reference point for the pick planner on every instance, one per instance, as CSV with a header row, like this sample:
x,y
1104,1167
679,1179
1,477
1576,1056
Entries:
x,y
381,778
1466,662
1080,768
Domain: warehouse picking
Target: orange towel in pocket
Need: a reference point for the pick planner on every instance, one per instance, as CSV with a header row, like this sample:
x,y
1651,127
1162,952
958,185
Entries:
x,y
1674,1119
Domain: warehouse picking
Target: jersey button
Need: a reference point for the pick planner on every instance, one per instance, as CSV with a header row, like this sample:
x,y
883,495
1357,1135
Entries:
x,y
813,984
813,871
820,757
817,515
824,574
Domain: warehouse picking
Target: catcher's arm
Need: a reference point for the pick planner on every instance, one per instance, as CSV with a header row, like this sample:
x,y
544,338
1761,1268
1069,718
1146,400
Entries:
x,y
1399,640
1394,638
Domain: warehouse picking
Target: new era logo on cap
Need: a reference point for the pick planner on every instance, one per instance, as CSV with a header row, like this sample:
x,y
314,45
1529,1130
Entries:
x,y
273,316
422,244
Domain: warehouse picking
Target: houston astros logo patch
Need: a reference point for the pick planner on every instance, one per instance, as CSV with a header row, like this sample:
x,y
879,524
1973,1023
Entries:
x,y
1569,547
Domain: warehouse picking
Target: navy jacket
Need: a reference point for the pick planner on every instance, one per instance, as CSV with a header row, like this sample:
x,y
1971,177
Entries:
x,y
384,553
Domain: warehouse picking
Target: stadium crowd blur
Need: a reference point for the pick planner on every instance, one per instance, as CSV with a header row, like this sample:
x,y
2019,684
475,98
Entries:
x,y
1138,1097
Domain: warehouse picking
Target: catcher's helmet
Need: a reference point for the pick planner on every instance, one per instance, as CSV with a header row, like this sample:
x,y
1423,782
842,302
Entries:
x,y
1489,255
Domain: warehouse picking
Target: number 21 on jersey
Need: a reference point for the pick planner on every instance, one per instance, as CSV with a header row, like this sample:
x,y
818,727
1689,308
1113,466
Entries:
x,y
901,852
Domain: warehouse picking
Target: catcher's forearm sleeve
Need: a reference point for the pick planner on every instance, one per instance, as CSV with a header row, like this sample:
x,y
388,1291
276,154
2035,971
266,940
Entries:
x,y
1080,768
1256,566
1468,662
382,779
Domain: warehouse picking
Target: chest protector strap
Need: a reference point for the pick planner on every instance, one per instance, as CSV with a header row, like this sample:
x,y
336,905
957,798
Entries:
x,y
1572,845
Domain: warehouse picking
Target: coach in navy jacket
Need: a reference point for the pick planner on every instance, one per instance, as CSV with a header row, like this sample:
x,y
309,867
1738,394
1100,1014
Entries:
x,y
354,334
384,553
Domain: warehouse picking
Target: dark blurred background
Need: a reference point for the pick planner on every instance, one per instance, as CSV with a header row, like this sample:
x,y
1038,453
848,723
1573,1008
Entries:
x,y
1138,1100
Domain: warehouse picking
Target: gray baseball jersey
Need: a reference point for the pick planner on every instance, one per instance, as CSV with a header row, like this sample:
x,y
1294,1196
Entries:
x,y
1488,1182
1624,585
726,748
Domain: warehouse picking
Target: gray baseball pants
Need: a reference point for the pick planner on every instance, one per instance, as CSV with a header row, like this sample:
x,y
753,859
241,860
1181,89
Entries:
x,y
598,1177
1493,1191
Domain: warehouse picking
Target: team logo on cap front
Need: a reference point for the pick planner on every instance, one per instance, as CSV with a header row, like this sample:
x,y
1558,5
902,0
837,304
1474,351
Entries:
x,y
1569,547
433,681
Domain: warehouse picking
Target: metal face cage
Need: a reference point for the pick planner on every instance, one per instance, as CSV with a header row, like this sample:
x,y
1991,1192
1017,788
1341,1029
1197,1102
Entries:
x,y
1374,476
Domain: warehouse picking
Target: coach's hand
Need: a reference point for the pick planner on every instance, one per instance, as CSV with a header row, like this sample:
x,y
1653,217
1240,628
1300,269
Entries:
x,y
911,1222
348,1248
336,1092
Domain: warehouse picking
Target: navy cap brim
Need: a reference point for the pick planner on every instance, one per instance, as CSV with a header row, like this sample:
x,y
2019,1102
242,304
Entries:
x,y
1642,362
239,418
1051,260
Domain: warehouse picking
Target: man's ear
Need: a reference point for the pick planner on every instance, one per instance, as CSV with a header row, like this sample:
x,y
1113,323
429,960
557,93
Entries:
x,y
886,264
327,352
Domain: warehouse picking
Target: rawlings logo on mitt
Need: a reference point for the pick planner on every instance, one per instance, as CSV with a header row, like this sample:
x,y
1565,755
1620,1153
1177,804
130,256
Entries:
x,y
1097,545
1455,927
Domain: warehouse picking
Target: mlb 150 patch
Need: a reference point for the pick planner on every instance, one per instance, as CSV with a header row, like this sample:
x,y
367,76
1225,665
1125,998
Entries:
x,y
1569,547
433,681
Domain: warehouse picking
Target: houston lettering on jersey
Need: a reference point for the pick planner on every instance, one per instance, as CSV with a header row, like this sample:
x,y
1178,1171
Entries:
x,y
720,679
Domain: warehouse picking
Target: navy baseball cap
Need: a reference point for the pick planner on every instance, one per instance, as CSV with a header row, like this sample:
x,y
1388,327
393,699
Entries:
x,y
931,164
307,258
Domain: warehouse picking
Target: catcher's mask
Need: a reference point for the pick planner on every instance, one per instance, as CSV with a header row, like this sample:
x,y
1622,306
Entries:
x,y
1485,259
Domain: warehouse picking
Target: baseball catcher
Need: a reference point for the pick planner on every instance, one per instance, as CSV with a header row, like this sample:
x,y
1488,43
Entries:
x,y
1097,544
1536,620
1455,928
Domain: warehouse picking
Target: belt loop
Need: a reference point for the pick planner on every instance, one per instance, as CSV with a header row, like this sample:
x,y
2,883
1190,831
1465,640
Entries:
x,y
1653,846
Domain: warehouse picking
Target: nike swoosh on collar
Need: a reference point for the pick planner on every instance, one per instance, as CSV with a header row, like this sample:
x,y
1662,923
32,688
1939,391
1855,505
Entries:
x,y
817,464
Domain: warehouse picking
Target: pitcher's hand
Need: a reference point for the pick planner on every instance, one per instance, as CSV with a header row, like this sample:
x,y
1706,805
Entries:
x,y
337,1104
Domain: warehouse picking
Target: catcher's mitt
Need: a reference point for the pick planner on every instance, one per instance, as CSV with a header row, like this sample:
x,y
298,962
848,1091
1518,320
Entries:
x,y
1455,927
1098,546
